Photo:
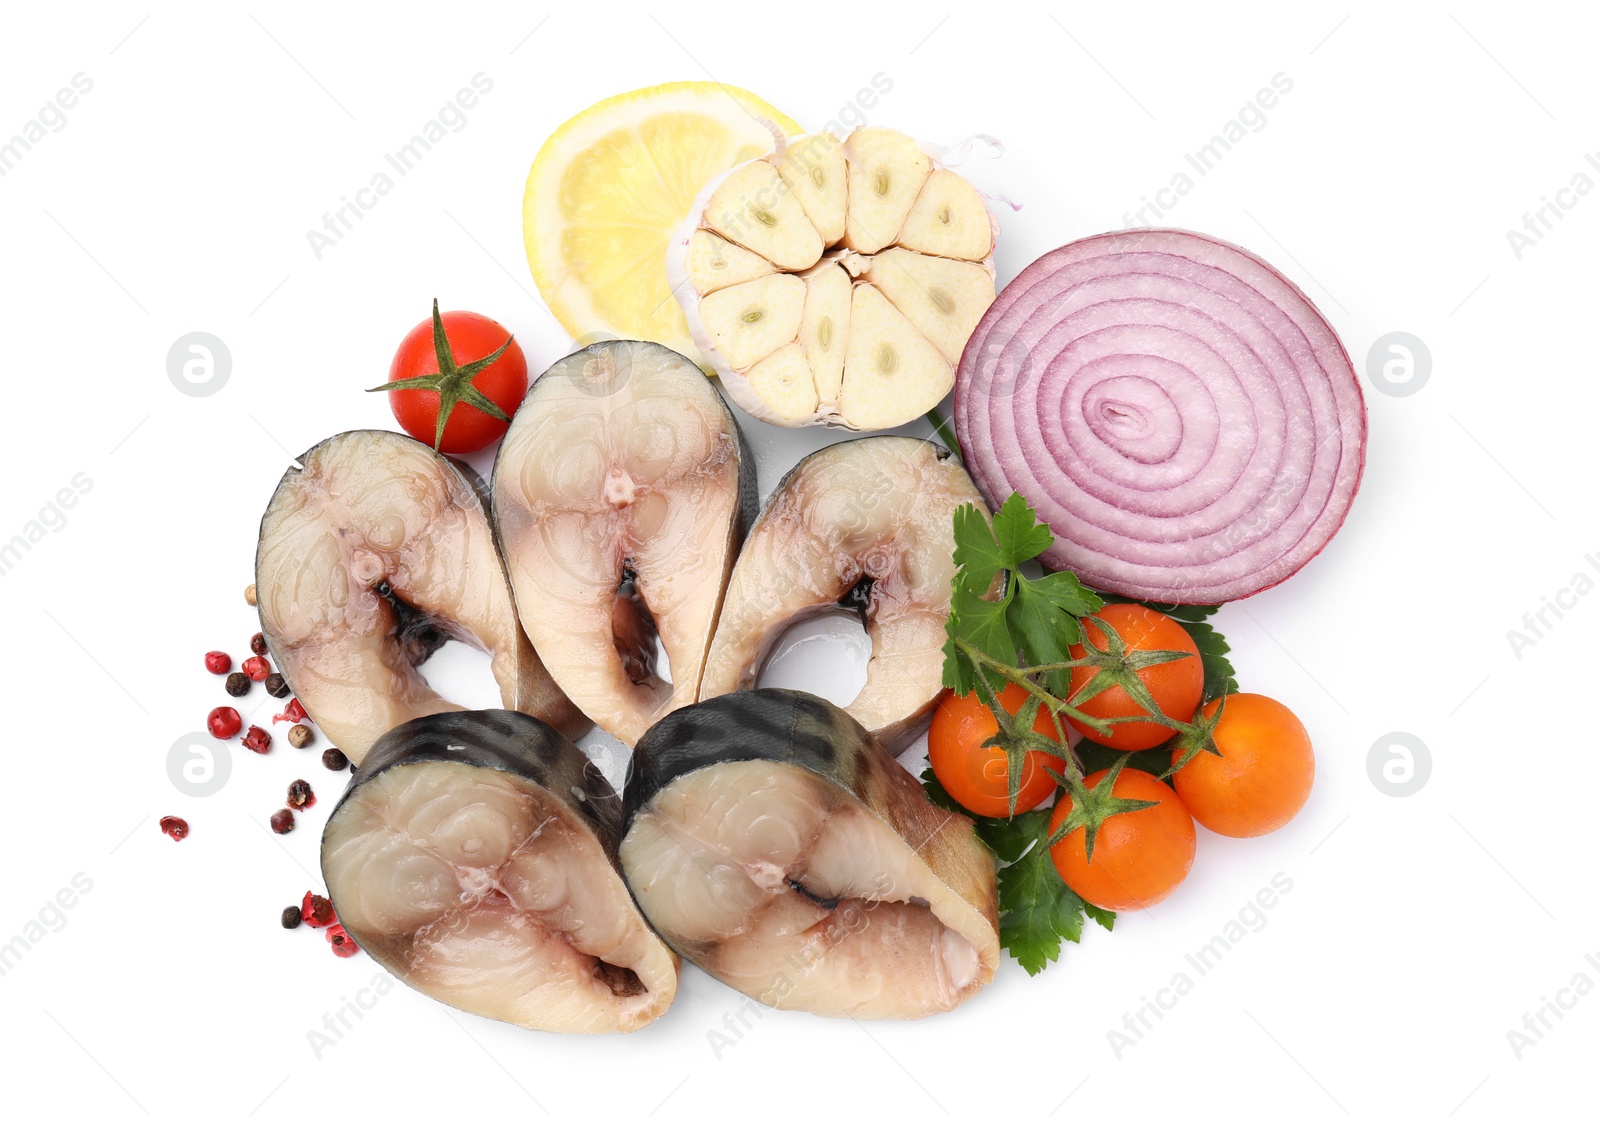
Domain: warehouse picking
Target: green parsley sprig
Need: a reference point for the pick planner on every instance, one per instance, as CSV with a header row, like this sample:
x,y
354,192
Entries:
x,y
1008,627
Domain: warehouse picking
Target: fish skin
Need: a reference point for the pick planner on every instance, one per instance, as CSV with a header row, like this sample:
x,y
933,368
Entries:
x,y
508,741
523,747
796,728
514,519
930,483
534,692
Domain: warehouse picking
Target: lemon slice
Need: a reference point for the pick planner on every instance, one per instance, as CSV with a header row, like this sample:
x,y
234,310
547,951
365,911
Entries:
x,y
610,186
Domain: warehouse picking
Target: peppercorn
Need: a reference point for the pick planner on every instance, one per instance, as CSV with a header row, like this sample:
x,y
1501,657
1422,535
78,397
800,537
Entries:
x,y
294,712
277,686
290,918
175,826
258,644
218,662
255,739
224,722
341,941
317,911
250,595
333,758
300,795
237,684
283,821
256,667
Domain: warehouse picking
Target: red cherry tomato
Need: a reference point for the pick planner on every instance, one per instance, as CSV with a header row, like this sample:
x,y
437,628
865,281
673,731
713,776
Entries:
x,y
472,338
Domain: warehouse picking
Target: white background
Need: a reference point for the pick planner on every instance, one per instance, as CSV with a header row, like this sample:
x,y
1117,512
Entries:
x,y
177,197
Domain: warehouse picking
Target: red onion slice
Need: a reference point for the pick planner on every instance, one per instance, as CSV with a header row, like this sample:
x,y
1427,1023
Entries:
x,y
1180,414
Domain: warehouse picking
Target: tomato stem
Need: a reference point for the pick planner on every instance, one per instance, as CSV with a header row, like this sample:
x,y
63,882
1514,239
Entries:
x,y
452,382
1116,666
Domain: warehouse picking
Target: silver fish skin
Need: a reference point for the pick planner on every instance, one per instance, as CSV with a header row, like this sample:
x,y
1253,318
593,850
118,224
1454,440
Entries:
x,y
373,552
622,491
772,841
474,856
866,524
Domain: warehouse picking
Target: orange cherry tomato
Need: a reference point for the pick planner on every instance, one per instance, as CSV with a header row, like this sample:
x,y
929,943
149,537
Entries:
x,y
1139,857
975,774
1263,776
1176,686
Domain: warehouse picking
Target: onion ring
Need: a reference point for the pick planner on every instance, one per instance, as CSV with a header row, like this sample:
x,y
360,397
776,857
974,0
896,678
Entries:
x,y
1181,415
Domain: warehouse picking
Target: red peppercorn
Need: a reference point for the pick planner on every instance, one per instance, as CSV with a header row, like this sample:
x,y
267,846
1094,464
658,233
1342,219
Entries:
x,y
175,826
218,662
256,667
315,910
294,712
342,943
255,739
283,821
300,796
224,722
258,644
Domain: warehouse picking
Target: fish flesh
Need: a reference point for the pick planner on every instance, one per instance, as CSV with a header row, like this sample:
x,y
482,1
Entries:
x,y
776,844
621,492
474,857
373,552
868,524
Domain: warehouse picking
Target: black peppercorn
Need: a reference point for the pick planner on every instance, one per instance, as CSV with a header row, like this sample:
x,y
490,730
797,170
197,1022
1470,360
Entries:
x,y
290,917
277,686
334,759
237,684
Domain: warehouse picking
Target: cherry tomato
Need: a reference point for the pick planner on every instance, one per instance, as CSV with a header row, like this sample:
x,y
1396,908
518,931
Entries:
x,y
1263,776
1139,857
472,338
975,774
1176,686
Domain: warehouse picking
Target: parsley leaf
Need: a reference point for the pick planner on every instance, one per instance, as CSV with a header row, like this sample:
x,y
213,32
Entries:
x,y
978,557
1038,910
1043,630
979,622
1095,757
1044,618
1214,657
1188,613
1067,593
1020,535
1037,617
